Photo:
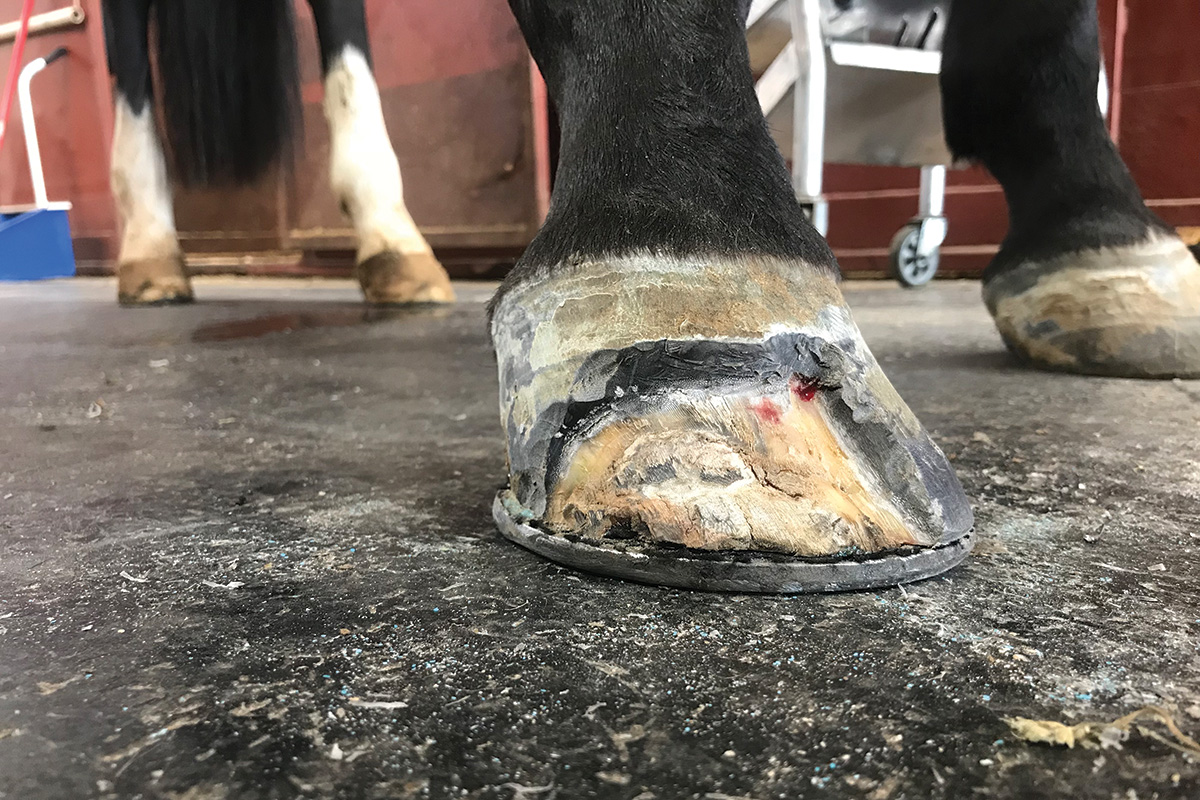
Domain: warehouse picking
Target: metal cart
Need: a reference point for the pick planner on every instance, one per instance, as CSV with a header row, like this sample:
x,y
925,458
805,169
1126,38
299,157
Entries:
x,y
858,84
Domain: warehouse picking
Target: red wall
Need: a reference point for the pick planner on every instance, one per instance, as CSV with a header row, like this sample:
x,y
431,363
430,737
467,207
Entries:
x,y
1159,129
1154,58
458,95
73,111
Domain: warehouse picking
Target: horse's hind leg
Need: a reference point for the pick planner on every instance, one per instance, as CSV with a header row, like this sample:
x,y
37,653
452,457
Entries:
x,y
150,266
394,263
1088,279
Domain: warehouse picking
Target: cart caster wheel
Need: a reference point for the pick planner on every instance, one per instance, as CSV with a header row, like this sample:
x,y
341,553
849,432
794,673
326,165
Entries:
x,y
908,266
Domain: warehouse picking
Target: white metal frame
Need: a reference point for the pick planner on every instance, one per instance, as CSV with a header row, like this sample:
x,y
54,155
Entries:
x,y
931,209
32,149
804,65
808,152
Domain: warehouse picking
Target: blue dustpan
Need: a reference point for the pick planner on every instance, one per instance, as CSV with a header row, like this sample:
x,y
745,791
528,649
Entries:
x,y
35,241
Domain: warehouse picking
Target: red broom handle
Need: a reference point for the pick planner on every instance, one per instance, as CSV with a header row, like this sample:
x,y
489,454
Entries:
x,y
14,68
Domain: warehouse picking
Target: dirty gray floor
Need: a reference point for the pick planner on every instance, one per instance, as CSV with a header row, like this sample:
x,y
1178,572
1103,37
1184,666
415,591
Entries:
x,y
246,551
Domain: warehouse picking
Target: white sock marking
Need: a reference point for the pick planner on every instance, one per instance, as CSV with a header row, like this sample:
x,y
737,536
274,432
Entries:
x,y
363,167
140,186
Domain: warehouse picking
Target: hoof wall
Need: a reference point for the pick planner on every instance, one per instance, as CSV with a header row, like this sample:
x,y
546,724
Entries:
x,y
391,278
729,571
1130,312
706,429
153,282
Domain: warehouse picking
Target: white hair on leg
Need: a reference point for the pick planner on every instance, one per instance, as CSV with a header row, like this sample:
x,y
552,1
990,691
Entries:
x,y
150,263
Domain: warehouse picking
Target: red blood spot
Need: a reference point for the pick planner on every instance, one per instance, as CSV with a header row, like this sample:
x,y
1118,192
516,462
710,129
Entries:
x,y
766,411
803,388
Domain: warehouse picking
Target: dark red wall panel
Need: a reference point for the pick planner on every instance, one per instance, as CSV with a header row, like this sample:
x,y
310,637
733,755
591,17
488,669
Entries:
x,y
468,123
1160,113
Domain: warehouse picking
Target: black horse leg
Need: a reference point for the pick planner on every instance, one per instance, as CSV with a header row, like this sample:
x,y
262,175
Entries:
x,y
150,265
1088,279
677,364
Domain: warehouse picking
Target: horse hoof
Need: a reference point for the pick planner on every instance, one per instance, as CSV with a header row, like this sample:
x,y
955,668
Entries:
x,y
392,278
716,426
1131,311
153,281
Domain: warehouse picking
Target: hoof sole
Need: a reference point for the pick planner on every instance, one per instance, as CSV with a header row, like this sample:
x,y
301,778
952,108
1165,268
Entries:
x,y
732,571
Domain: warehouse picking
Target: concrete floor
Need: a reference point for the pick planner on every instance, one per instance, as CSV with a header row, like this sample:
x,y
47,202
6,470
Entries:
x,y
246,551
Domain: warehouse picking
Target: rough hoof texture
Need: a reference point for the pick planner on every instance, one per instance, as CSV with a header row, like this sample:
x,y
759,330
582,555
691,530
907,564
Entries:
x,y
391,278
1130,311
729,571
727,408
153,281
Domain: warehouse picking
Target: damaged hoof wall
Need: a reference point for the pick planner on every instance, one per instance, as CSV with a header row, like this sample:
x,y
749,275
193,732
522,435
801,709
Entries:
x,y
725,430
1129,312
729,571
